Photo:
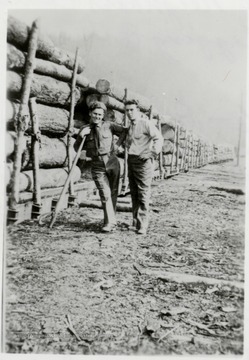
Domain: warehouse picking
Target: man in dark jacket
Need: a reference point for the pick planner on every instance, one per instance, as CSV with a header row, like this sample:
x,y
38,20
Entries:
x,y
100,146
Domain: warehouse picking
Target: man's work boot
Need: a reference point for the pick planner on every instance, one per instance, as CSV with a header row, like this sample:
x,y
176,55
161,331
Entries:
x,y
108,227
142,230
134,225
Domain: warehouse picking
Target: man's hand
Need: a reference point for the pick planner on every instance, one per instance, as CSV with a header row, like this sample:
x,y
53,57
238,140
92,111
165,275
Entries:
x,y
117,149
152,155
85,131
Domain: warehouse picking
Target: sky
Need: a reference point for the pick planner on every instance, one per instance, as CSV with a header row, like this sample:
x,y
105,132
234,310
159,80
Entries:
x,y
190,63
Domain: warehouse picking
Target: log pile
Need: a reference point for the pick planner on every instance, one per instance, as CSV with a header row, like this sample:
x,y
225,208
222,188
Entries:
x,y
18,35
51,85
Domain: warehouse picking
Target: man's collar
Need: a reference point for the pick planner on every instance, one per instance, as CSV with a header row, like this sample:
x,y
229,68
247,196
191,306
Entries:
x,y
92,126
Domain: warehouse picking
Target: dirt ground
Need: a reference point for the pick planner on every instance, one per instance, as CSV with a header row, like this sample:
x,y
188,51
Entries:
x,y
115,289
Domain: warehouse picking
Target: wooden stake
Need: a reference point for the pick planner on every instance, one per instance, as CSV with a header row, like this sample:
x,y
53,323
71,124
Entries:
x,y
125,174
70,125
177,148
204,154
197,153
161,169
186,153
150,113
173,153
65,187
200,154
188,162
35,153
192,151
22,115
182,164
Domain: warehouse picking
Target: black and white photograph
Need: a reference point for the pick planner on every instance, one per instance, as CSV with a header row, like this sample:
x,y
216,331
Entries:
x,y
124,148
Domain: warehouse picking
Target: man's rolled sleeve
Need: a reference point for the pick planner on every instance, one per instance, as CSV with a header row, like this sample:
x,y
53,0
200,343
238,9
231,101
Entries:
x,y
116,129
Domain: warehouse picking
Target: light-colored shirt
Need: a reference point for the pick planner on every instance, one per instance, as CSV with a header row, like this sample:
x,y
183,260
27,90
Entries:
x,y
143,137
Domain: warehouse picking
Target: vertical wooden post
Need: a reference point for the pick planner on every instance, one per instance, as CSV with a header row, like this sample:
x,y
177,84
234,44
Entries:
x,y
174,147
188,162
182,166
150,118
177,148
192,152
195,153
36,208
150,113
198,154
71,197
161,169
124,186
204,154
21,124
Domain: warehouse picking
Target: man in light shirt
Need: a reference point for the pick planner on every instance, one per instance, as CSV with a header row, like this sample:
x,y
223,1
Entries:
x,y
144,142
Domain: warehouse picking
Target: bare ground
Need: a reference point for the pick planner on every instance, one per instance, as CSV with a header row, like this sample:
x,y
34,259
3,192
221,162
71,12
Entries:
x,y
115,288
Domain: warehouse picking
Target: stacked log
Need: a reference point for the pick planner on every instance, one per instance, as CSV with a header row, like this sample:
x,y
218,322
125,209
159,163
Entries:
x,y
18,35
49,178
115,116
53,120
16,61
104,87
46,89
51,86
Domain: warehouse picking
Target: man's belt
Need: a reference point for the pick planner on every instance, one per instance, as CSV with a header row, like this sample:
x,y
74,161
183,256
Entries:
x,y
100,157
138,157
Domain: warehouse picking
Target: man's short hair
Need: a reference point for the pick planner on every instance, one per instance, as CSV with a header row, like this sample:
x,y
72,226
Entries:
x,y
97,105
132,102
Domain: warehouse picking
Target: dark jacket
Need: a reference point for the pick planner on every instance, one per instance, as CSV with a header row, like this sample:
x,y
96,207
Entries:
x,y
103,142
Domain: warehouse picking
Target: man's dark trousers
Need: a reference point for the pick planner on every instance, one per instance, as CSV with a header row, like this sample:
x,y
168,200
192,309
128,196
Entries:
x,y
140,173
106,174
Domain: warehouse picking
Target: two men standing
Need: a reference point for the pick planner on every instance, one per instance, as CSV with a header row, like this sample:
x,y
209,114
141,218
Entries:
x,y
143,142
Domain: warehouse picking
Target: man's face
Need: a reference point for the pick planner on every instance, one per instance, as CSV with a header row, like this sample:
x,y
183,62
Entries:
x,y
96,116
132,111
